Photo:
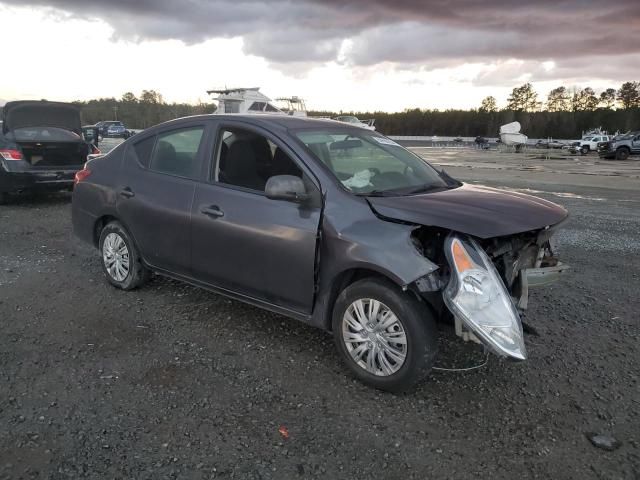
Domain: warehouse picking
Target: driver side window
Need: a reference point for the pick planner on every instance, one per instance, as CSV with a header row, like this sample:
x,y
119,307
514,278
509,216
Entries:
x,y
247,159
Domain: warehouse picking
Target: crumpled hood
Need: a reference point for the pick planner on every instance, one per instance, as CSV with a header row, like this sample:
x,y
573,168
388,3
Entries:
x,y
23,114
479,211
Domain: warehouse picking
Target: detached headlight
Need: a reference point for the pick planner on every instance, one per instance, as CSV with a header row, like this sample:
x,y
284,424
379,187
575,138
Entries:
x,y
478,297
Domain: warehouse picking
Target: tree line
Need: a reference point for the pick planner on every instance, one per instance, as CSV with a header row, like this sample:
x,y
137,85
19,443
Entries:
x,y
139,112
565,114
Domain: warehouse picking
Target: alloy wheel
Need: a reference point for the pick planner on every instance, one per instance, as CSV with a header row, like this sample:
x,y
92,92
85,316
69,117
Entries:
x,y
374,337
115,255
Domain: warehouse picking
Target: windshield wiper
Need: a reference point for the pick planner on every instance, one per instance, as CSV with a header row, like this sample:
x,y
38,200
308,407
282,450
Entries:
x,y
378,193
421,189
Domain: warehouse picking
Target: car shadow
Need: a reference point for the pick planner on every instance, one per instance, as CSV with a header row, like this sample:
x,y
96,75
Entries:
x,y
37,199
458,366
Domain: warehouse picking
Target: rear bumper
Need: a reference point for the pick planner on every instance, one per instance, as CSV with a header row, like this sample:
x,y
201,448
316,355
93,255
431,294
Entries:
x,y
13,182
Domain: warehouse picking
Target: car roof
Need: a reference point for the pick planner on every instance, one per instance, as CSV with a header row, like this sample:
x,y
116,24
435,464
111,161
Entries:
x,y
269,120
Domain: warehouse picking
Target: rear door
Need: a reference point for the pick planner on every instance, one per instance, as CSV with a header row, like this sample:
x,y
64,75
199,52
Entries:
x,y
157,184
635,144
243,241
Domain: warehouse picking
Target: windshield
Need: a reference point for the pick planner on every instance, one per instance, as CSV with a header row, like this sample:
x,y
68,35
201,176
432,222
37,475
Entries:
x,y
370,164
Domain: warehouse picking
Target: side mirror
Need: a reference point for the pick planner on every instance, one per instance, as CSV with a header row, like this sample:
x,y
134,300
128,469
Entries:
x,y
286,187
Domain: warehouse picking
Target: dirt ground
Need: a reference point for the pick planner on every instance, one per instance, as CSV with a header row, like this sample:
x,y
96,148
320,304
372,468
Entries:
x,y
170,381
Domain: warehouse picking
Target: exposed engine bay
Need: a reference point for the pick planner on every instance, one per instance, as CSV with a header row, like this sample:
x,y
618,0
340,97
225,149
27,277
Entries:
x,y
485,283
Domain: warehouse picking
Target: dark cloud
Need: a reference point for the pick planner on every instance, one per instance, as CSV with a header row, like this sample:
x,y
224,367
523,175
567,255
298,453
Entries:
x,y
416,32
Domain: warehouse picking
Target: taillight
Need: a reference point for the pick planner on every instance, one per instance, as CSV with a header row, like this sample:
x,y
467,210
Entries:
x,y
10,154
81,175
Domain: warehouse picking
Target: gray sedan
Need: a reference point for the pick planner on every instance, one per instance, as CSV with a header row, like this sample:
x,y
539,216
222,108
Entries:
x,y
331,224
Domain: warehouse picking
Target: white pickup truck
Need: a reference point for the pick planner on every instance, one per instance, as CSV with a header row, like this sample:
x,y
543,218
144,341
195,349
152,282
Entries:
x,y
590,143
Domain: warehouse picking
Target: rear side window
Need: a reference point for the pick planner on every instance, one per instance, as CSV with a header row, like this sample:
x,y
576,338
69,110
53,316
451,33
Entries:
x,y
143,150
176,152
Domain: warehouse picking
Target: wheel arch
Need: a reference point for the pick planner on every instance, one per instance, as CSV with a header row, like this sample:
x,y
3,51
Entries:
x,y
347,277
99,225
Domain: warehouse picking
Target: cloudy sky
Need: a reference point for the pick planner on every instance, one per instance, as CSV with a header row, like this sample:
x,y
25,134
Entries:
x,y
337,54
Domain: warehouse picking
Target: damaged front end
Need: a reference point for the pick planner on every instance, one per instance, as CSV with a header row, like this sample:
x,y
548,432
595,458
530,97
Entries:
x,y
485,284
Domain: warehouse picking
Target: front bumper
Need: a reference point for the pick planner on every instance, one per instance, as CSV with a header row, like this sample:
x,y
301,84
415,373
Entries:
x,y
537,277
606,153
475,318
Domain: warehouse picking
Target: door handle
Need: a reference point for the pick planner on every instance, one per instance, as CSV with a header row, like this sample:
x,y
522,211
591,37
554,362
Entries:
x,y
126,192
213,211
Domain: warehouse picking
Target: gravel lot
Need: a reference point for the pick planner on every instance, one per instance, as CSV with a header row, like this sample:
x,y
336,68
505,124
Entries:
x,y
174,382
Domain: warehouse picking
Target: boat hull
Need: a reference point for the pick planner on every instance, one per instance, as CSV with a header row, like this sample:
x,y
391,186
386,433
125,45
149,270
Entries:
x,y
513,138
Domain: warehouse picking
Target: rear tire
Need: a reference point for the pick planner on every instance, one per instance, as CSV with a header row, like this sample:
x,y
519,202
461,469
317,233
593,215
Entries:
x,y
584,150
622,154
386,337
121,260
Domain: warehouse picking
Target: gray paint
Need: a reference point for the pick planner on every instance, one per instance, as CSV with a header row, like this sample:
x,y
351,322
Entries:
x,y
479,211
284,256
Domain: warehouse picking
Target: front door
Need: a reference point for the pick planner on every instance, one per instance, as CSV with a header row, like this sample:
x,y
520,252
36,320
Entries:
x,y
245,242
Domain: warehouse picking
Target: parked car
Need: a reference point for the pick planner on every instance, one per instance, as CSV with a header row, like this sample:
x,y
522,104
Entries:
x,y
621,147
113,129
41,146
590,144
550,144
328,223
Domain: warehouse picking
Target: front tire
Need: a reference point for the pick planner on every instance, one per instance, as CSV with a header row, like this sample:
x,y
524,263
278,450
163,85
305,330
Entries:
x,y
386,337
121,261
622,154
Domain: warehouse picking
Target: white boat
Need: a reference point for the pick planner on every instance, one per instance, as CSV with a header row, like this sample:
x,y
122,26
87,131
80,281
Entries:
x,y
513,138
251,101
368,124
243,101
293,106
510,134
